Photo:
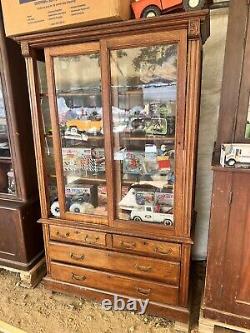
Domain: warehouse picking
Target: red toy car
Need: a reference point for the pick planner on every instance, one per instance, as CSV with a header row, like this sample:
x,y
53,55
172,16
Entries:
x,y
151,8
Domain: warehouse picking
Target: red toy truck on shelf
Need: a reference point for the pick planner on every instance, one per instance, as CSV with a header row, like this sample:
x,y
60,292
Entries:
x,y
151,8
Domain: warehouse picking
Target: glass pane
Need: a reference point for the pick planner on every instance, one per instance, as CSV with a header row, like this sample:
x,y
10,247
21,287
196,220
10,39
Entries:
x,y
7,176
247,134
144,109
79,106
48,145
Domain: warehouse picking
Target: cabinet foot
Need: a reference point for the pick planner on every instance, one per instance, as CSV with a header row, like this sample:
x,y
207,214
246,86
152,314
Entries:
x,y
29,279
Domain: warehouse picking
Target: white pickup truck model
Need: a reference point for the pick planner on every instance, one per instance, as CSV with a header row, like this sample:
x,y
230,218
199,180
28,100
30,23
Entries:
x,y
148,215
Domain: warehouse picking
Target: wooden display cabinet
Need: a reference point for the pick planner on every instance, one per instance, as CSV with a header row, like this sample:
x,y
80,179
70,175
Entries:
x,y
227,290
21,243
116,136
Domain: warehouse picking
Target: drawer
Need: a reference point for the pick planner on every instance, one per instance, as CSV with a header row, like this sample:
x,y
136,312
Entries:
x,y
156,248
78,236
149,268
114,283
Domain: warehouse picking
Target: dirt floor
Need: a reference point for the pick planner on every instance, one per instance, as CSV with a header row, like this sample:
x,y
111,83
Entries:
x,y
39,310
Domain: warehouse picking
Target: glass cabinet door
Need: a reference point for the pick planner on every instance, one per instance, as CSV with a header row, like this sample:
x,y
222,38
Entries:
x,y
144,94
79,124
7,175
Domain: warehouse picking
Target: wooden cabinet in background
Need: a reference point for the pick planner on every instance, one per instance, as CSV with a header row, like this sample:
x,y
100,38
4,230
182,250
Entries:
x,y
227,290
115,118
20,237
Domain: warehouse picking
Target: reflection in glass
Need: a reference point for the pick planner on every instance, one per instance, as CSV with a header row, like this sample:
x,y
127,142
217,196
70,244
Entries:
x,y
48,145
144,108
79,107
7,176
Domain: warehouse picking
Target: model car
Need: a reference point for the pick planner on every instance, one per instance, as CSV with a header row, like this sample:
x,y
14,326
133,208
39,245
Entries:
x,y
80,126
232,154
148,214
78,199
151,8
154,126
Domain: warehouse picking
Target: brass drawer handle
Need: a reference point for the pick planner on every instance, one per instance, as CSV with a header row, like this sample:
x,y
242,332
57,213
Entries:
x,y
144,292
62,236
157,250
77,256
127,245
88,240
143,268
78,277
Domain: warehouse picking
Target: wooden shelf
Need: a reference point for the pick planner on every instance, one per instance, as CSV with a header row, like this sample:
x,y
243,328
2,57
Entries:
x,y
79,93
228,169
89,179
5,160
162,138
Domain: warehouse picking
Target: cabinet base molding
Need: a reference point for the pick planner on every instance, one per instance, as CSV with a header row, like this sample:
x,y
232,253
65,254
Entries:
x,y
212,318
29,279
178,314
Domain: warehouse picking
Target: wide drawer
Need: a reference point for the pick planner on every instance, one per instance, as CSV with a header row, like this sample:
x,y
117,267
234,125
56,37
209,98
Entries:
x,y
150,268
157,248
114,283
78,236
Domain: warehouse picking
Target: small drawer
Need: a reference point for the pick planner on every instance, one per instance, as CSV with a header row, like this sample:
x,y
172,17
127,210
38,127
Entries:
x,y
114,283
78,236
149,268
156,248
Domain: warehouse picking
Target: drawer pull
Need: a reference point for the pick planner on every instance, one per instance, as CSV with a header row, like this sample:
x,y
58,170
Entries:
x,y
77,256
144,292
78,277
127,245
143,268
88,240
62,236
157,250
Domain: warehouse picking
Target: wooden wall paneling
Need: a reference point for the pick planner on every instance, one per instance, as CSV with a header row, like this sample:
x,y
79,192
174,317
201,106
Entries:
x,y
237,25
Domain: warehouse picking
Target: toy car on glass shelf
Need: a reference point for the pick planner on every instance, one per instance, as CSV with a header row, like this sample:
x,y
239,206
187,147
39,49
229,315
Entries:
x,y
153,126
148,214
235,153
152,8
139,196
78,199
75,127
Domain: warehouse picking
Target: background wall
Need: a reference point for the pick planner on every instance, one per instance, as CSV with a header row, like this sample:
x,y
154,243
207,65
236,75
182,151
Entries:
x,y
213,59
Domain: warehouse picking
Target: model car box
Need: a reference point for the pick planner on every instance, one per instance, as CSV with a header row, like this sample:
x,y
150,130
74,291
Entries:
x,y
30,16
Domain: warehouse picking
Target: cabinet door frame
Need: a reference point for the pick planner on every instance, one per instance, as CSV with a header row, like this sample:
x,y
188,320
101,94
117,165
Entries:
x,y
104,46
178,37
50,53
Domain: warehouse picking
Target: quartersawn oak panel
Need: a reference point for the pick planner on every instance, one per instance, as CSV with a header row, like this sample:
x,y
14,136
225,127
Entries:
x,y
136,288
78,236
155,269
161,249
